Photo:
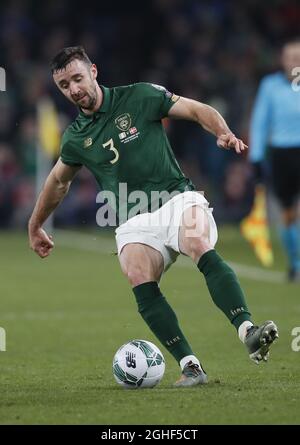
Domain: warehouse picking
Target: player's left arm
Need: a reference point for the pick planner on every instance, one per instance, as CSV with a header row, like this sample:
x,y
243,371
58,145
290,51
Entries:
x,y
210,119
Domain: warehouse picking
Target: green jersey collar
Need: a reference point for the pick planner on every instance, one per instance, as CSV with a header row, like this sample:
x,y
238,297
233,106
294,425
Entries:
x,y
103,107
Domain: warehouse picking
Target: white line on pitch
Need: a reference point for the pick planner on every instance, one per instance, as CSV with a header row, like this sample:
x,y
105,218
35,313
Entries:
x,y
95,243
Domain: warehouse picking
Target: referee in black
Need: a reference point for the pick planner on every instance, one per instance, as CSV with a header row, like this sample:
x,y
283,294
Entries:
x,y
275,124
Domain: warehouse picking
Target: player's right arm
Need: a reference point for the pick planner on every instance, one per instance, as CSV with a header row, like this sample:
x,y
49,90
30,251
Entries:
x,y
54,190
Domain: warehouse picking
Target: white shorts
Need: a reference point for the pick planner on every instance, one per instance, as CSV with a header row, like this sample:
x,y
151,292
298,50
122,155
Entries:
x,y
160,229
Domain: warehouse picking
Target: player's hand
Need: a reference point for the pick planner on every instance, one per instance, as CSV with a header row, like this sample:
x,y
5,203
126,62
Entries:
x,y
40,242
229,140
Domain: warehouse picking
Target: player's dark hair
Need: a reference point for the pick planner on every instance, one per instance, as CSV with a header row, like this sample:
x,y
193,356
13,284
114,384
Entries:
x,y
67,55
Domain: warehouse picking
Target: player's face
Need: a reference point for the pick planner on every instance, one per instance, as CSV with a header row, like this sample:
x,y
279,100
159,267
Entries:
x,y
291,58
77,81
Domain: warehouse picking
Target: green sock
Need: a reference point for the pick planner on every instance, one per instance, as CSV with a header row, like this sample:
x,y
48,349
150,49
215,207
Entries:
x,y
161,319
224,288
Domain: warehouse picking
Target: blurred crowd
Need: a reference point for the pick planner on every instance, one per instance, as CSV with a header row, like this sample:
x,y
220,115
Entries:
x,y
211,50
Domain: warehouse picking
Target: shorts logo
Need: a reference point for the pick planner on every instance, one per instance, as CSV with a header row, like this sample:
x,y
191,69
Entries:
x,y
123,122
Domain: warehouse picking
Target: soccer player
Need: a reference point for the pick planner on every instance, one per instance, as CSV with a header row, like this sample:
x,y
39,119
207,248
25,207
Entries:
x,y
119,137
275,124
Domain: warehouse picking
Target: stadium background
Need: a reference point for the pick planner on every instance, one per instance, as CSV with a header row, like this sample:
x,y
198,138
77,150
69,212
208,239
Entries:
x,y
65,317
213,51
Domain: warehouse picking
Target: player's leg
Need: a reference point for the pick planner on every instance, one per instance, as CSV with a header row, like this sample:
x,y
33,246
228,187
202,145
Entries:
x,y
141,263
143,266
194,241
286,186
291,240
223,285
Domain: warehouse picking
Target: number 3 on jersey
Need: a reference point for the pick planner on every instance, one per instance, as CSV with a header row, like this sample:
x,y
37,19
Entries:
x,y
110,145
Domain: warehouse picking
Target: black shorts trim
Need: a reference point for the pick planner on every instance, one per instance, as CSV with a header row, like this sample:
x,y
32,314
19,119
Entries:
x,y
285,163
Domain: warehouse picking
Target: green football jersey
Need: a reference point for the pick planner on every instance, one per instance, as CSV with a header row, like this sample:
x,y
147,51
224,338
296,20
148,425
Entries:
x,y
125,146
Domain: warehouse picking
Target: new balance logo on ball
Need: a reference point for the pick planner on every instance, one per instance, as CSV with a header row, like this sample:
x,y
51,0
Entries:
x,y
130,360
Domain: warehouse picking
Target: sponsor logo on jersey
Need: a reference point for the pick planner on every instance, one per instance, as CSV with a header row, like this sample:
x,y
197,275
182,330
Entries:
x,y
130,135
123,122
87,142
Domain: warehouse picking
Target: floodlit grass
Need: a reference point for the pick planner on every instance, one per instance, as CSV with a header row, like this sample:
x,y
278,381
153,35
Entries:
x,y
66,316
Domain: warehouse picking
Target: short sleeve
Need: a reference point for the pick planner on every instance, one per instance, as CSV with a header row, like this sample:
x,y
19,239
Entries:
x,y
67,154
156,100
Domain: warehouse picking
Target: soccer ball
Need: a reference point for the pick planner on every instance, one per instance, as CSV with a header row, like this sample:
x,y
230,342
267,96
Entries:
x,y
138,364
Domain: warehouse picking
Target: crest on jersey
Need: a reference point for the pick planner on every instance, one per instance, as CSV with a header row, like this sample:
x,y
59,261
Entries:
x,y
123,122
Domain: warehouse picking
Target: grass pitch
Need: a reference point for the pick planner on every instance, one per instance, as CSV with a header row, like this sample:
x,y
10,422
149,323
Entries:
x,y
66,316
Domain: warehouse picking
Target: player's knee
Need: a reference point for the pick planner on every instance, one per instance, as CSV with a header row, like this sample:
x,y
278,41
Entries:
x,y
136,275
197,245
194,235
